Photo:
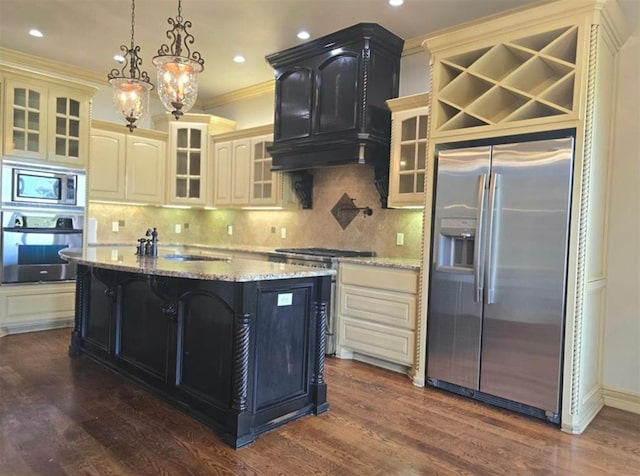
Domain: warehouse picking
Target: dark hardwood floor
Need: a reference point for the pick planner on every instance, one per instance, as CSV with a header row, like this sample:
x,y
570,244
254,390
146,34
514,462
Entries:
x,y
62,415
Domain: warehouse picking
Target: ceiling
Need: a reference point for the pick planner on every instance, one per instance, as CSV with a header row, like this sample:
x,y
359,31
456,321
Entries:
x,y
88,33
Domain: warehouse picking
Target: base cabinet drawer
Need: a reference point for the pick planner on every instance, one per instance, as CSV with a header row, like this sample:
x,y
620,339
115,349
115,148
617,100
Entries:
x,y
394,309
388,343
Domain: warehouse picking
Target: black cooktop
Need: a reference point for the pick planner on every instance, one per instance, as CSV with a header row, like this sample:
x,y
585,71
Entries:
x,y
328,252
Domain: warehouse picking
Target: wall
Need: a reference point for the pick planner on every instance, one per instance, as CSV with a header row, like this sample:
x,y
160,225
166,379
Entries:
x,y
315,227
621,364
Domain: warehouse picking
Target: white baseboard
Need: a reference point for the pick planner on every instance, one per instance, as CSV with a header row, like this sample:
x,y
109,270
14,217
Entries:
x,y
621,399
34,326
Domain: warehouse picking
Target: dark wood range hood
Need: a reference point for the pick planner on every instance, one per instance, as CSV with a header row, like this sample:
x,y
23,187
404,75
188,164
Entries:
x,y
330,103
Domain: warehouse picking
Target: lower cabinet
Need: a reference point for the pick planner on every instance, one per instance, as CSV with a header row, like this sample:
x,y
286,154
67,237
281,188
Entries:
x,y
377,309
242,357
35,307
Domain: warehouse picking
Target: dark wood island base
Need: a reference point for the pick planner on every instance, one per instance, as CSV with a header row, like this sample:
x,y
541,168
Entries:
x,y
241,357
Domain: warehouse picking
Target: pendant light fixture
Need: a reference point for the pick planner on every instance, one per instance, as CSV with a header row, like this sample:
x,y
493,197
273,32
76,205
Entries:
x,y
178,68
130,93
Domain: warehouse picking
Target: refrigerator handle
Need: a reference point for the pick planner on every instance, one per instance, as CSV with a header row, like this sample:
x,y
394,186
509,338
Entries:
x,y
489,291
478,275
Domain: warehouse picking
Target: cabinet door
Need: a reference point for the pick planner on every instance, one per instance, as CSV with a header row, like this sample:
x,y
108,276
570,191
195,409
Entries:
x,y
222,173
294,93
337,94
408,157
188,151
25,120
145,167
107,165
264,183
241,172
68,119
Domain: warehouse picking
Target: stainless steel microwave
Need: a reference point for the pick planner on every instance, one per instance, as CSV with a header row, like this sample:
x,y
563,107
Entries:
x,y
39,186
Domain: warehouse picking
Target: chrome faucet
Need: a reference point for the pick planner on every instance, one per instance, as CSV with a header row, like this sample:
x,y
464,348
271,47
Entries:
x,y
146,246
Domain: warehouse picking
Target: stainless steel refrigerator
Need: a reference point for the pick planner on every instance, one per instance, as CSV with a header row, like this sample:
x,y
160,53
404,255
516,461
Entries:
x,y
498,273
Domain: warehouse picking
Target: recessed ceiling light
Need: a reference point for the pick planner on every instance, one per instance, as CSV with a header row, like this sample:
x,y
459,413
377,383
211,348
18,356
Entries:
x,y
304,35
396,3
36,33
119,58
239,59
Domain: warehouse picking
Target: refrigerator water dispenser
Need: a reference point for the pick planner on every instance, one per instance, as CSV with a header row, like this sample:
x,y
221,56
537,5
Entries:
x,y
456,244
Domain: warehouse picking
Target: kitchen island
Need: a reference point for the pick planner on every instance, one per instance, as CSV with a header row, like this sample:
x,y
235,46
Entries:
x,y
236,343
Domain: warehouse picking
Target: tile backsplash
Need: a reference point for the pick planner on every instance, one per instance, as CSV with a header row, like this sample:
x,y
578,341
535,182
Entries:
x,y
264,228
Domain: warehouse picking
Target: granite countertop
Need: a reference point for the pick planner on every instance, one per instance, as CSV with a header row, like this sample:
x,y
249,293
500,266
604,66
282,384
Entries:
x,y
216,266
402,263
262,252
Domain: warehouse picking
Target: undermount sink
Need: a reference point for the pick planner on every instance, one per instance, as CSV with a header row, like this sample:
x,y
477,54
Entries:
x,y
194,257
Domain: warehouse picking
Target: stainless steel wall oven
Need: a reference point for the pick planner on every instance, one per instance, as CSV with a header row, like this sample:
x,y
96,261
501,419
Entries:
x,y
42,212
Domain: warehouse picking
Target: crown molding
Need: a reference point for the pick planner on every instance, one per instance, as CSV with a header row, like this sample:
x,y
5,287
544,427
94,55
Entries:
x,y
267,87
38,64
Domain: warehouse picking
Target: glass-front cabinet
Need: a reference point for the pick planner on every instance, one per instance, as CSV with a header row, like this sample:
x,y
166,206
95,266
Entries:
x,y
188,155
188,167
263,180
46,121
409,129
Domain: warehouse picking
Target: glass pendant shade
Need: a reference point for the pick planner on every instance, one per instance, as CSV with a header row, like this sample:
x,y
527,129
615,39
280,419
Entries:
x,y
178,67
177,82
130,85
131,99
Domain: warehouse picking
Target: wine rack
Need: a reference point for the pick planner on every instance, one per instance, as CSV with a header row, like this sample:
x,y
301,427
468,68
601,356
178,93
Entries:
x,y
526,78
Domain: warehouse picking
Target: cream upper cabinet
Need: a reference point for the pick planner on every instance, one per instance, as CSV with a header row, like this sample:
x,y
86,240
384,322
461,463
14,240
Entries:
x,y
46,120
550,67
409,119
242,173
126,167
377,309
188,155
232,160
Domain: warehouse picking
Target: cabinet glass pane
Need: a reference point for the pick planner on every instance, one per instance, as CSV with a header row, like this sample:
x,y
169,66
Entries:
x,y
420,182
195,139
257,190
18,140
407,157
181,162
61,125
422,155
194,188
74,148
74,128
34,120
406,183
61,106
266,171
257,170
181,188
194,163
183,138
33,142
408,129
74,108
266,190
34,99
258,150
19,118
422,127
61,146
20,97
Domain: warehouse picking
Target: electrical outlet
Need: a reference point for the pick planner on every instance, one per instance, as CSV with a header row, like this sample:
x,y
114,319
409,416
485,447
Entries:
x,y
400,239
185,226
229,230
283,232
115,226
178,228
